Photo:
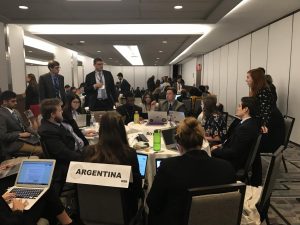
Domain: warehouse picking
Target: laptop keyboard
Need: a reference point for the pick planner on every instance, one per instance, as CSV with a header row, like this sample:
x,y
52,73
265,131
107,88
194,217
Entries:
x,y
26,193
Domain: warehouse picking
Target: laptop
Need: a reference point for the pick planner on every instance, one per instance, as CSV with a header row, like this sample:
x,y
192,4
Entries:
x,y
157,164
33,180
169,138
32,140
177,96
176,117
81,120
157,118
142,158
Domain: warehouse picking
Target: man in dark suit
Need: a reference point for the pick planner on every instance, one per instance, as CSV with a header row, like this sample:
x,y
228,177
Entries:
x,y
12,127
51,85
171,104
124,85
58,139
238,145
194,168
100,88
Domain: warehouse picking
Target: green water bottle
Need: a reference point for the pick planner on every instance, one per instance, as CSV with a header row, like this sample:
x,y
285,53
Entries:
x,y
157,140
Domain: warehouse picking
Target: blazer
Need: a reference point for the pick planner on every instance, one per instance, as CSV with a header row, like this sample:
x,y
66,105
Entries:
x,y
9,131
177,106
166,199
46,87
60,145
134,191
125,86
237,147
92,93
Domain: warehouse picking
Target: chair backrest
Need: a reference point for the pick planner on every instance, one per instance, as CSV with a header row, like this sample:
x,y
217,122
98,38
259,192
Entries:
x,y
272,173
225,116
188,104
288,125
197,107
100,205
215,205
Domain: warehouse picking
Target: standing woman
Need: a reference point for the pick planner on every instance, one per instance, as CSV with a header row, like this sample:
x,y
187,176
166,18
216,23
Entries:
x,y
269,117
32,100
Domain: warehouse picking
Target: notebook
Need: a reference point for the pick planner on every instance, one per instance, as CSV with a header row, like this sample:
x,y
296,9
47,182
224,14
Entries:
x,y
142,158
169,138
157,118
33,180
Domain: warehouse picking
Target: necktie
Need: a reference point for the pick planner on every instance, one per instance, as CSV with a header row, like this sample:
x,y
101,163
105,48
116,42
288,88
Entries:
x,y
14,114
56,86
170,108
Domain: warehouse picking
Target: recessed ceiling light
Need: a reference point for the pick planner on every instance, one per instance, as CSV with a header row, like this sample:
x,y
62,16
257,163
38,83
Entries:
x,y
29,51
164,42
23,7
82,42
110,58
160,51
157,58
98,51
178,7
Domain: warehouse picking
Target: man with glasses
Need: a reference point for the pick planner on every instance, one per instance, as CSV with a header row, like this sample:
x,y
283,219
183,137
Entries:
x,y
51,85
12,128
100,88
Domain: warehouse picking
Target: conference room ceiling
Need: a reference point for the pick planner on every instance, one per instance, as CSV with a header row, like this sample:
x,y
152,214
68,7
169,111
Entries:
x,y
119,12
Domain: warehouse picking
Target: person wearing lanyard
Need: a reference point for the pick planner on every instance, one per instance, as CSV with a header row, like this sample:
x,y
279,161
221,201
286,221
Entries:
x,y
100,88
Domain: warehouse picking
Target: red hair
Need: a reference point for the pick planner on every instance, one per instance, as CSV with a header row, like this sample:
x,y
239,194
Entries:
x,y
259,81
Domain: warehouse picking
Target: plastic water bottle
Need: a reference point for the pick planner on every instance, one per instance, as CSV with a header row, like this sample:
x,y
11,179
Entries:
x,y
157,140
136,117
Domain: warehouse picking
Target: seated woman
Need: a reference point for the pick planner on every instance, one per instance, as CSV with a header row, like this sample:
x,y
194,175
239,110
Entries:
x,y
113,148
194,168
212,121
70,111
148,103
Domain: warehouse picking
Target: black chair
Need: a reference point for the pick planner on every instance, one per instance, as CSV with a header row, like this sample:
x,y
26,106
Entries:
x,y
215,205
101,205
288,125
188,106
197,107
246,173
225,116
272,173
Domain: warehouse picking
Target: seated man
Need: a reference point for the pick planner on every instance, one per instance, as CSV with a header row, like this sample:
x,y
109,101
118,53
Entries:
x,y
59,139
171,104
129,108
12,128
238,145
194,168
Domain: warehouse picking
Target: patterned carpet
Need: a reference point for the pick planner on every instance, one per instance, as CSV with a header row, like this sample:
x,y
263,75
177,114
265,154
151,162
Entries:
x,y
285,201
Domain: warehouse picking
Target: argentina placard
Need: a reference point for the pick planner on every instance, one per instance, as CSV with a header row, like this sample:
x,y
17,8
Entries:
x,y
99,174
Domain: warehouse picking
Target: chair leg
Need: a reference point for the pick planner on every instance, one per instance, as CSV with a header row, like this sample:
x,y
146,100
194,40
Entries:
x,y
267,220
284,164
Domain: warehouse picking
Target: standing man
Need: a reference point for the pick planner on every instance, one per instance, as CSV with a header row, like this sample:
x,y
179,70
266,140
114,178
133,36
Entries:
x,y
51,85
100,88
124,85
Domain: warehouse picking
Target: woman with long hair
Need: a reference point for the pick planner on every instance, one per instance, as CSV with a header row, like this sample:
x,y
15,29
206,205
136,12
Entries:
x,y
148,102
32,100
113,148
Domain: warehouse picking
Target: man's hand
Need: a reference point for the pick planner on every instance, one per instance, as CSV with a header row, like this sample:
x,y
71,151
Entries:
x,y
264,129
8,196
98,85
215,147
19,205
24,135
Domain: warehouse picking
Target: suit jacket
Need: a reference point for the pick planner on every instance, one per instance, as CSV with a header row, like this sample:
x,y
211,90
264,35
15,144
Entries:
x,y
60,145
92,93
167,197
237,147
9,131
177,106
125,86
46,87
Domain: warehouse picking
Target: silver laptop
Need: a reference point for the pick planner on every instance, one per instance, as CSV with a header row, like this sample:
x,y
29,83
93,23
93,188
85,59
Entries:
x,y
176,117
33,180
81,120
169,138
157,118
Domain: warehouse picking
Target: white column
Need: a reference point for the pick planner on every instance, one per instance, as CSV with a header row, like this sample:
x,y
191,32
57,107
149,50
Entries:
x,y
64,57
15,35
3,62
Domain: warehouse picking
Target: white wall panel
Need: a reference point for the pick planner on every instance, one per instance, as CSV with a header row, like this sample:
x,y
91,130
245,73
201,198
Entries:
x,y
128,74
189,72
232,77
243,67
205,69
215,89
140,77
259,48
210,70
151,70
223,76
280,35
294,93
163,71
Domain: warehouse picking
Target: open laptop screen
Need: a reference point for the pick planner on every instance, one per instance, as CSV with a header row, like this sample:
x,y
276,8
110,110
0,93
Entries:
x,y
169,136
35,172
142,158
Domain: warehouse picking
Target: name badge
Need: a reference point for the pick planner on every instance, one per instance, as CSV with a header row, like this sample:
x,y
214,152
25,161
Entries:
x,y
109,175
